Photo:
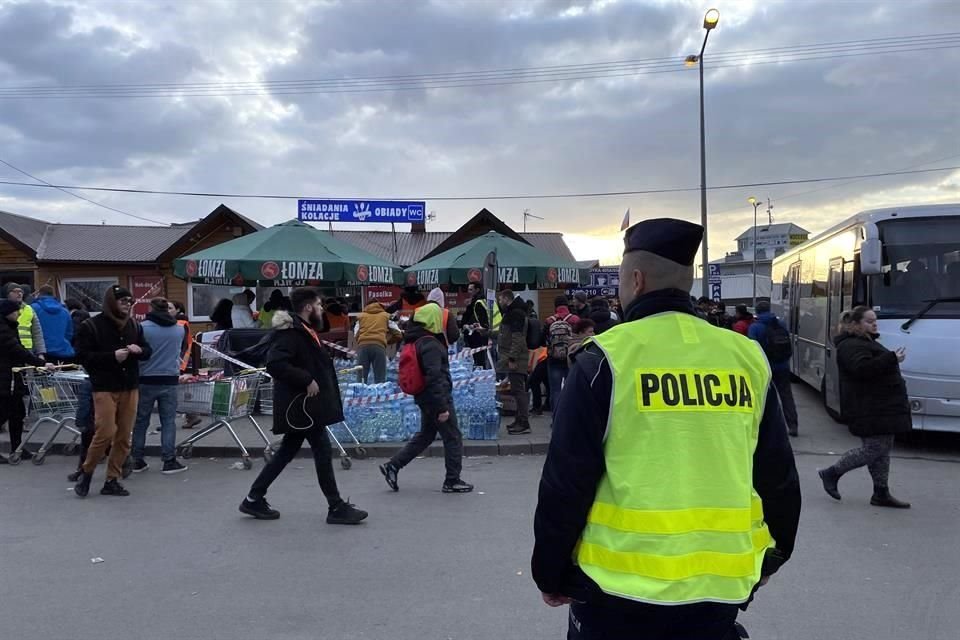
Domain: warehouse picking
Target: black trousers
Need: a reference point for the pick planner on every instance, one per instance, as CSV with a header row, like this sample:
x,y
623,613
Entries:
x,y
289,447
702,621
538,379
781,380
452,443
13,412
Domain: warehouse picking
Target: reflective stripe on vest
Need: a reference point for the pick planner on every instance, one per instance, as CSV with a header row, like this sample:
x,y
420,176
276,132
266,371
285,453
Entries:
x,y
676,519
497,317
25,326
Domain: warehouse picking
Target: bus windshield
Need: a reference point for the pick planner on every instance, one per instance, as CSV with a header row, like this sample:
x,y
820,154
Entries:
x,y
921,262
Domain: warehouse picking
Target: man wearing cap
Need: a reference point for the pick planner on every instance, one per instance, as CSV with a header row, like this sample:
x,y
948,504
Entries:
x,y
669,493
31,333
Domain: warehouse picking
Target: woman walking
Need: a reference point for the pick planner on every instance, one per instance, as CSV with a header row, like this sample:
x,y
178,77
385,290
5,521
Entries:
x,y
873,397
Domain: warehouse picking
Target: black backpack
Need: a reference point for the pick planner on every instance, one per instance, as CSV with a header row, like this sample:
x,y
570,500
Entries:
x,y
777,346
534,333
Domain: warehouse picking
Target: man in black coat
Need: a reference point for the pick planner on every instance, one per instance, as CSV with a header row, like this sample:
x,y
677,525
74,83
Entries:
x,y
476,324
306,399
437,413
13,354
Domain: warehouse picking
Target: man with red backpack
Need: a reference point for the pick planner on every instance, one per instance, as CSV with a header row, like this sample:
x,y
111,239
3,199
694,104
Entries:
x,y
425,374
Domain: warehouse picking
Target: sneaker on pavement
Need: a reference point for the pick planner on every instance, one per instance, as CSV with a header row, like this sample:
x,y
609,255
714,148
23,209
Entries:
x,y
139,466
389,472
520,429
457,486
345,513
113,488
82,488
259,509
171,467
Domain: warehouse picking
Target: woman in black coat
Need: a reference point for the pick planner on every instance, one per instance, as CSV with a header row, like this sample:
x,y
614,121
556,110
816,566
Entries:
x,y
13,354
873,398
306,399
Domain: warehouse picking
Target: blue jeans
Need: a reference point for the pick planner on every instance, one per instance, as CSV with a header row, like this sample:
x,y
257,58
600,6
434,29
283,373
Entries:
x,y
165,397
556,374
84,416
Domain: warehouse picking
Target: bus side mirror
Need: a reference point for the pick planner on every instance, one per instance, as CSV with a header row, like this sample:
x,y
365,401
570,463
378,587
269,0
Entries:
x,y
871,258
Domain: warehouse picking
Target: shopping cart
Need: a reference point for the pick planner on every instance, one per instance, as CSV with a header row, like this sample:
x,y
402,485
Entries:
x,y
343,375
53,399
226,401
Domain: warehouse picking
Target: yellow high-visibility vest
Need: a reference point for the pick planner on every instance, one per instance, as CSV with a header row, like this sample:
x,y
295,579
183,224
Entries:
x,y
676,519
25,326
495,319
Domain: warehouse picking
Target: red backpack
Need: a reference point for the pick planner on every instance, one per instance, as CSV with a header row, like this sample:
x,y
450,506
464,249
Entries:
x,y
411,377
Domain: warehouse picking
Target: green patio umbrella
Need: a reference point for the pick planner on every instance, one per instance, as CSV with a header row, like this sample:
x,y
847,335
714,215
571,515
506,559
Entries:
x,y
517,263
287,254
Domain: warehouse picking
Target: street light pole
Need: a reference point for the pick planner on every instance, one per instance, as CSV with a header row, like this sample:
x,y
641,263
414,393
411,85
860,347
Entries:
x,y
755,203
709,23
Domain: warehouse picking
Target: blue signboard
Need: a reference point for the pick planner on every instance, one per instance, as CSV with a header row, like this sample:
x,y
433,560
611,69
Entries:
x,y
360,211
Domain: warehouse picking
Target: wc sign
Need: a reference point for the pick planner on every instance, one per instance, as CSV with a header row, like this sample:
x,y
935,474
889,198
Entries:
x,y
361,211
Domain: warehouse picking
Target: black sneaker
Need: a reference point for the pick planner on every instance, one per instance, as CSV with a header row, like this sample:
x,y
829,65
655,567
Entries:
x,y
259,509
457,486
520,429
139,466
82,488
389,472
113,488
345,513
171,467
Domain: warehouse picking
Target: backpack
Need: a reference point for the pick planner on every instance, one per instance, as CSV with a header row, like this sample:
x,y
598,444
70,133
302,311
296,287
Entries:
x,y
534,333
777,346
561,335
411,378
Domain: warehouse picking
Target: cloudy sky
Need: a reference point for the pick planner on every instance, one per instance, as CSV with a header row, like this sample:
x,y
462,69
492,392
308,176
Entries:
x,y
626,132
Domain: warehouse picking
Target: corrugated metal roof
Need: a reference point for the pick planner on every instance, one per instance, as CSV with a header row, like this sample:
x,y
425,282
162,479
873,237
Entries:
x,y
29,231
412,247
101,243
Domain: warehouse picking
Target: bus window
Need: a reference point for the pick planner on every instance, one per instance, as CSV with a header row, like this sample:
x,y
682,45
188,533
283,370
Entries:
x,y
918,254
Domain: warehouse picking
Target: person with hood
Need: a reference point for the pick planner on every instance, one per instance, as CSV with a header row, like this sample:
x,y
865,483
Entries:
x,y
12,389
437,413
306,399
410,300
476,323
660,512
774,337
742,320
222,315
603,318
31,334
373,331
241,317
276,302
56,324
514,356
78,313
159,377
111,347
451,330
873,399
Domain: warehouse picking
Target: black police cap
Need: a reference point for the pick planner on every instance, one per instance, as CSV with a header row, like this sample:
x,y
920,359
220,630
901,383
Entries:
x,y
675,240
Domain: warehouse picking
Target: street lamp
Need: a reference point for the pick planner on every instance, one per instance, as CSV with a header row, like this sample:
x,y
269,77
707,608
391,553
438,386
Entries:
x,y
755,203
710,21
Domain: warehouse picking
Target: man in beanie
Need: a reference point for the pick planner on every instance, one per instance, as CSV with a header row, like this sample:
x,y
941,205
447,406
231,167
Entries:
x,y
13,354
669,493
111,347
31,333
159,377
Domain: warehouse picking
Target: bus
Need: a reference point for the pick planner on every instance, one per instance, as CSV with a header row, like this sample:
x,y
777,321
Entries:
x,y
904,263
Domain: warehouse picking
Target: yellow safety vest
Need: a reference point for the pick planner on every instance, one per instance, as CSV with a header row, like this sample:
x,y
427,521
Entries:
x,y
497,317
676,519
25,326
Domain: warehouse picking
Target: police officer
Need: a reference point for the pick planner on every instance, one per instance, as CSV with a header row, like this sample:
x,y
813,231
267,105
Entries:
x,y
669,493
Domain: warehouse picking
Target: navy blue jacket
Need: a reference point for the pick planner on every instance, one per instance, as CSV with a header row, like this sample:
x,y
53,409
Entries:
x,y
575,466
758,332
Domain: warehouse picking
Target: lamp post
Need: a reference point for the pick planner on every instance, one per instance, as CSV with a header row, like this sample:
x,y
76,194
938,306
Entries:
x,y
710,21
755,203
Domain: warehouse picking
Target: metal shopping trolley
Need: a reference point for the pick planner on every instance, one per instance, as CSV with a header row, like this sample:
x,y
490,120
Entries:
x,y
226,401
53,397
343,375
